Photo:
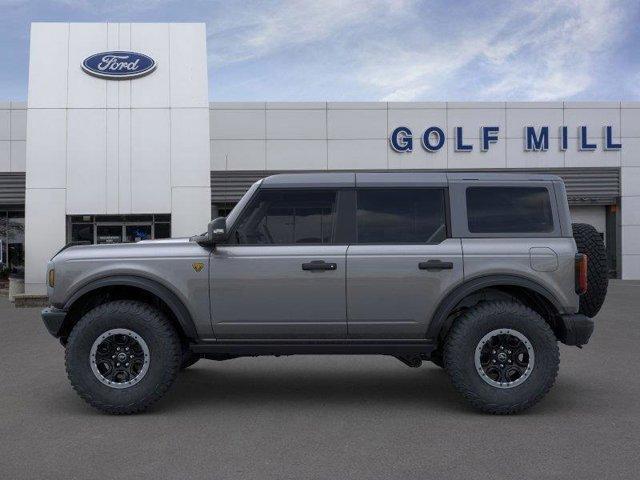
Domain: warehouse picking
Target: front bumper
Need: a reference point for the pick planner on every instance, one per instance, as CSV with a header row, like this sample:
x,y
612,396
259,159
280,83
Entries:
x,y
575,329
53,319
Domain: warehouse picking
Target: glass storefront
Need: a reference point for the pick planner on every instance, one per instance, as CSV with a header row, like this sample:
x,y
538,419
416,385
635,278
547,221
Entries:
x,y
221,209
104,229
11,243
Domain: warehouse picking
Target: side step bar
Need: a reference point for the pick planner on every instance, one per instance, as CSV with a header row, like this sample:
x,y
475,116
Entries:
x,y
315,347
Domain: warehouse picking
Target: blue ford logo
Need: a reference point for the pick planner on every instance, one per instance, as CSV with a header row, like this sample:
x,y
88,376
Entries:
x,y
118,65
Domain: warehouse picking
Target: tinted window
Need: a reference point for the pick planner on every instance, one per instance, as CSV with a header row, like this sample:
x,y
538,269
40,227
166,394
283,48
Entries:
x,y
401,215
162,230
509,210
284,217
82,232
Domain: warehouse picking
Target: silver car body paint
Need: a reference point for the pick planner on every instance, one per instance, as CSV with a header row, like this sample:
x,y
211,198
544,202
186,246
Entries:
x,y
376,291
389,296
511,256
167,262
262,292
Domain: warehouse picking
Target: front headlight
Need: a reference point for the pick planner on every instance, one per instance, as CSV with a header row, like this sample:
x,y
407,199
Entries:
x,y
51,278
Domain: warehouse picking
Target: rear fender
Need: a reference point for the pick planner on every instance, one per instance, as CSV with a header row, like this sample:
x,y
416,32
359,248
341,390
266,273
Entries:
x,y
462,291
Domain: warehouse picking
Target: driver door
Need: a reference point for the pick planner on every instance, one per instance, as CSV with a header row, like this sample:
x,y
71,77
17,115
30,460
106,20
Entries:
x,y
281,275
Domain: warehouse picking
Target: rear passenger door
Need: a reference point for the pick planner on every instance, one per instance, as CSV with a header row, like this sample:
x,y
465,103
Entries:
x,y
402,262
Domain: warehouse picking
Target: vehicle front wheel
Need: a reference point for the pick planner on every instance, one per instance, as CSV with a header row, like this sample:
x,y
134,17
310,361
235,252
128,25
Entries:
x,y
122,356
502,357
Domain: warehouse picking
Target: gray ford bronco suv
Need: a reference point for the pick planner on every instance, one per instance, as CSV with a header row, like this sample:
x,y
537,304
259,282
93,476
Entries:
x,y
480,273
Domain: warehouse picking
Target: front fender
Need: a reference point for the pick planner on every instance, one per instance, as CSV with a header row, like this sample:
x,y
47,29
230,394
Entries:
x,y
176,306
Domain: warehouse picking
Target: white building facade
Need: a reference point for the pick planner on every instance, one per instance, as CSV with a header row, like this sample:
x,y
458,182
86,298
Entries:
x,y
109,160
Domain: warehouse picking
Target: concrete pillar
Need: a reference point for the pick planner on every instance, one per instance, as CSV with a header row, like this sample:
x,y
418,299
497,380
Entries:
x,y
630,200
97,146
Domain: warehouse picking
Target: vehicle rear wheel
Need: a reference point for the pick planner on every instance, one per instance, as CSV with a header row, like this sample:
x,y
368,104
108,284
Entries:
x,y
589,242
502,357
122,356
436,358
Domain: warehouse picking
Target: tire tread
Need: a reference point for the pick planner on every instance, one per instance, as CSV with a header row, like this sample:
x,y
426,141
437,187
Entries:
x,y
453,364
163,329
590,243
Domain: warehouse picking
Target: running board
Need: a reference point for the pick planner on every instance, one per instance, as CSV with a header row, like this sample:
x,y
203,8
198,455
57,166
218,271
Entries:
x,y
315,347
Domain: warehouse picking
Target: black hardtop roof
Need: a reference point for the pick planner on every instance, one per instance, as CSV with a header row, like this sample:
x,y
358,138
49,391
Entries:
x,y
406,179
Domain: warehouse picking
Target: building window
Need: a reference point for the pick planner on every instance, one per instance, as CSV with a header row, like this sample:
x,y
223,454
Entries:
x,y
509,210
401,215
221,209
105,229
11,243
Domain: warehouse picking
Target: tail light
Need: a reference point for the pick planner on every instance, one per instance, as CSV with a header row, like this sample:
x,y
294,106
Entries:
x,y
581,273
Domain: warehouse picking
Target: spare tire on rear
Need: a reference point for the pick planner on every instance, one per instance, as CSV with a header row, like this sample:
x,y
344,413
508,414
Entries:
x,y
590,243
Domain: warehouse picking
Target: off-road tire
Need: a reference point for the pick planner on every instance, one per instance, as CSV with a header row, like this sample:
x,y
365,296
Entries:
x,y
436,358
589,242
188,358
466,334
164,352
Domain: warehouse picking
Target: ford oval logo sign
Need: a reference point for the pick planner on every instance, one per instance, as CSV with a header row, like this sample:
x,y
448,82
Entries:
x,y
118,65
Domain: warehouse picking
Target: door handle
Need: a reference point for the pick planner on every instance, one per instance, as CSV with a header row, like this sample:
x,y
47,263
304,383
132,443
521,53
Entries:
x,y
317,265
435,265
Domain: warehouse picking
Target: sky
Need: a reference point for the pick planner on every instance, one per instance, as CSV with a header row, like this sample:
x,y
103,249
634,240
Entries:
x,y
377,50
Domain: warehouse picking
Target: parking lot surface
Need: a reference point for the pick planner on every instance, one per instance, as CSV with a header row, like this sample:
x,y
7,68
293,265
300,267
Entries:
x,y
324,416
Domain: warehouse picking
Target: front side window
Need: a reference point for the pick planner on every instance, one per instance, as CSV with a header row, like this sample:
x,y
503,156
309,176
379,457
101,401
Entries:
x,y
509,210
401,215
287,217
233,214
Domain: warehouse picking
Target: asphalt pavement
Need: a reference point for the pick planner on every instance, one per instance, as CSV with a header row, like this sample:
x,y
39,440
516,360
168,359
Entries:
x,y
324,417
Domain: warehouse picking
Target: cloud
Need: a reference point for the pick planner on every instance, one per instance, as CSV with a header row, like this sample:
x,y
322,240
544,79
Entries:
x,y
563,46
102,7
408,50
260,29
386,49
540,51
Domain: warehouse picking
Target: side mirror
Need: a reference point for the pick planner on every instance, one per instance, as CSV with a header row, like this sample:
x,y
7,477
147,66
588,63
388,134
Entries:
x,y
217,230
216,233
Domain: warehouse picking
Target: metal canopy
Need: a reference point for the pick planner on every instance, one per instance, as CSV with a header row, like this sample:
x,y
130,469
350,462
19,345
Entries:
x,y
12,190
585,186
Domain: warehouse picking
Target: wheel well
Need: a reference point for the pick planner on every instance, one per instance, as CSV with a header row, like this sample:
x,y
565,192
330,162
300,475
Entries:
x,y
532,299
102,295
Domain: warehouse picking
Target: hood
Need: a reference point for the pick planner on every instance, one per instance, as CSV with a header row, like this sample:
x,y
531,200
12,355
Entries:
x,y
143,248
159,241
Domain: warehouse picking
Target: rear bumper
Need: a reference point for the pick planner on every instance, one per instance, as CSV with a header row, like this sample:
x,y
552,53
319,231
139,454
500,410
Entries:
x,y
575,329
53,319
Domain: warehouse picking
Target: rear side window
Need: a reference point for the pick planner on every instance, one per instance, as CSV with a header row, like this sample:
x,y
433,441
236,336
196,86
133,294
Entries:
x,y
286,217
401,215
509,210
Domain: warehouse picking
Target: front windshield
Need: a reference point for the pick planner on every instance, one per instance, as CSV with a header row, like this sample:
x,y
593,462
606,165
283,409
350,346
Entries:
x,y
233,214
